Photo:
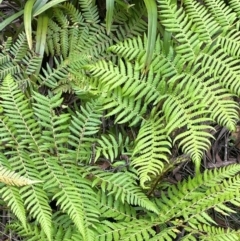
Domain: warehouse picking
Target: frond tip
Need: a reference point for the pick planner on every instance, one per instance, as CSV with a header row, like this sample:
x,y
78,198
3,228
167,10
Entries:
x,y
12,178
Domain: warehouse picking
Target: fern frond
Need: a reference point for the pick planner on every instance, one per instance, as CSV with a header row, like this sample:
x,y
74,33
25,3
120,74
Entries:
x,y
176,21
223,67
230,42
20,48
130,49
119,211
111,147
180,111
80,205
134,25
152,147
139,230
83,126
205,24
129,78
221,12
74,14
12,196
12,178
211,94
36,201
123,187
127,109
166,234
89,11
208,233
235,5
8,68
52,77
199,194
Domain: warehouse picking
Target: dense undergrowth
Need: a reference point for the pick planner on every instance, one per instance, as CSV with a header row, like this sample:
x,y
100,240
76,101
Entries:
x,y
97,142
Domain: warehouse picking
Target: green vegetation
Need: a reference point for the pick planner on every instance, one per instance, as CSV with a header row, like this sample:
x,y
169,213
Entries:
x,y
95,115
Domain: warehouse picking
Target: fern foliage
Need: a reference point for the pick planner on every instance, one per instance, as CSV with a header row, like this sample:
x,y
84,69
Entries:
x,y
94,167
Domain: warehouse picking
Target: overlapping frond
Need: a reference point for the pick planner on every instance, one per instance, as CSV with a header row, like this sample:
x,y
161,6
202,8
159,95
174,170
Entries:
x,y
175,20
205,25
221,12
235,5
151,149
67,160
111,147
83,127
223,68
124,188
199,194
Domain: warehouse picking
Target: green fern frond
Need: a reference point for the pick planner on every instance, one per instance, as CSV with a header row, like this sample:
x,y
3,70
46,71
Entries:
x,y
135,230
89,11
176,21
211,94
130,49
127,109
111,147
180,111
230,43
199,194
223,67
208,233
51,77
12,196
166,234
12,178
221,12
130,25
83,127
152,147
36,201
110,208
205,24
74,14
20,48
123,187
235,5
